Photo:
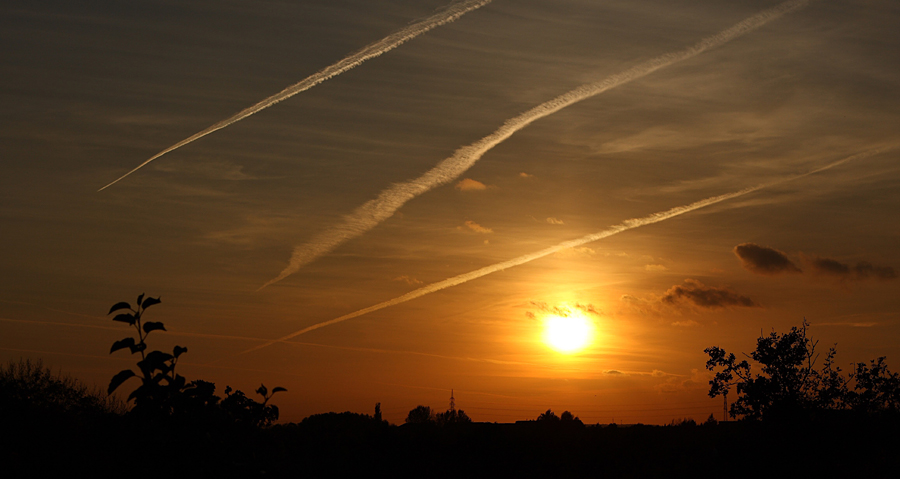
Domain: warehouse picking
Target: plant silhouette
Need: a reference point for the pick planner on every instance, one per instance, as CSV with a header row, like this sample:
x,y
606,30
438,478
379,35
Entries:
x,y
163,392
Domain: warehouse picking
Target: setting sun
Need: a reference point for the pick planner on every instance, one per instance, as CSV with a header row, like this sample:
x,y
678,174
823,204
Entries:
x,y
568,334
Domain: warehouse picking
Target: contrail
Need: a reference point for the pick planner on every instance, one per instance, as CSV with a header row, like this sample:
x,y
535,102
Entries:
x,y
612,230
384,45
391,199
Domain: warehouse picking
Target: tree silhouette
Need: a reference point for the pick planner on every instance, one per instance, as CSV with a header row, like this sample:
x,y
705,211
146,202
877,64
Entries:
x,y
548,417
420,415
789,386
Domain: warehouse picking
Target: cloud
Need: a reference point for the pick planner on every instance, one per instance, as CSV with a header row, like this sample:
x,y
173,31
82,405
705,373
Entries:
x,y
555,221
862,270
613,372
764,260
525,175
477,227
588,308
700,295
655,267
469,184
407,280
563,310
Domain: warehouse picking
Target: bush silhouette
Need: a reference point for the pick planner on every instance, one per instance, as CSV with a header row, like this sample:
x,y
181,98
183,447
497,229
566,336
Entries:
x,y
165,393
27,384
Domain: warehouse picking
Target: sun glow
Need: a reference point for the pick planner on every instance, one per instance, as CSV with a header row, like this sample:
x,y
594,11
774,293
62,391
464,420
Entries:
x,y
568,334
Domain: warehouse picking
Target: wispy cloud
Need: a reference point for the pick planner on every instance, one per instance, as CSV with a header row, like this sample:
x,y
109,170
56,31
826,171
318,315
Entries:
x,y
407,280
477,227
469,184
391,199
611,231
555,221
378,48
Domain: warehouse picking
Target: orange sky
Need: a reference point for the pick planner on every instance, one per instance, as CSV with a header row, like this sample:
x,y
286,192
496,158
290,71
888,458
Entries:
x,y
90,92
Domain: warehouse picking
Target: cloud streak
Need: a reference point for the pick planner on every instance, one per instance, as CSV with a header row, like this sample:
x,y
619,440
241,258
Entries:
x,y
862,270
376,49
391,199
610,231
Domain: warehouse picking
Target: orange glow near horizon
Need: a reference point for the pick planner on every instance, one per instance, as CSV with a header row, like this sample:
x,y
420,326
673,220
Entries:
x,y
568,334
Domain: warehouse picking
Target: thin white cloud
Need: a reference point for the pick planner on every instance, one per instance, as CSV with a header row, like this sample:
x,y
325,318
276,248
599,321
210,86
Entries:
x,y
391,199
378,48
611,231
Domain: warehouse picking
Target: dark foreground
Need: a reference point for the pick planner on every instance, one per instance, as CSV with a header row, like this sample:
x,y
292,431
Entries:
x,y
345,445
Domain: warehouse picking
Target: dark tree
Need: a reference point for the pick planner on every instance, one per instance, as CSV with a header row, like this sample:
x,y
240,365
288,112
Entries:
x,y
789,386
452,416
420,415
548,417
877,389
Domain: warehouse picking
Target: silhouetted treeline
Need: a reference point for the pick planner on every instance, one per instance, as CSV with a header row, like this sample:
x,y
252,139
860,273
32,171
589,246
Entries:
x,y
45,438
177,428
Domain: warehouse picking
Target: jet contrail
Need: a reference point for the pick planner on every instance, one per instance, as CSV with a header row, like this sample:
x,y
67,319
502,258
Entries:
x,y
391,199
384,45
612,230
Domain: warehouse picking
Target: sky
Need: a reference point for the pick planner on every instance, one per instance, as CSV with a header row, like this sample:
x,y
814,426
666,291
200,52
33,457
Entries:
x,y
337,178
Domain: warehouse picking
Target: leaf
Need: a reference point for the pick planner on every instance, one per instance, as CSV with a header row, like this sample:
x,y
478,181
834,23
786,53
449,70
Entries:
x,y
178,351
153,326
263,391
278,389
150,302
125,318
125,343
141,297
158,357
118,306
142,390
118,379
137,348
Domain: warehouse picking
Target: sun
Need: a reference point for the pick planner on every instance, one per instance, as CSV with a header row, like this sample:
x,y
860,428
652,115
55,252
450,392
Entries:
x,y
568,334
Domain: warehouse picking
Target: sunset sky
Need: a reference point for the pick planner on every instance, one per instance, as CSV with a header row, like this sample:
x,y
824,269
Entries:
x,y
92,90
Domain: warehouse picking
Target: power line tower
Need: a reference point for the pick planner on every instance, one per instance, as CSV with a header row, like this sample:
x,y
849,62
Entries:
x,y
452,403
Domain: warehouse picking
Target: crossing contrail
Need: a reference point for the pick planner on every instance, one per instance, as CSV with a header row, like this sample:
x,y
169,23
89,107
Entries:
x,y
384,45
612,230
391,199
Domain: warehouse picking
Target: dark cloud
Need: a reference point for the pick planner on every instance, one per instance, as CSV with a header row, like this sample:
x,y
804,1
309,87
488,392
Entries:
x,y
764,260
561,310
587,308
704,296
862,270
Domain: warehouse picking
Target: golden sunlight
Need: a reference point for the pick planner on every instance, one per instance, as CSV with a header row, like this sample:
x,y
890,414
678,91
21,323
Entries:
x,y
568,334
